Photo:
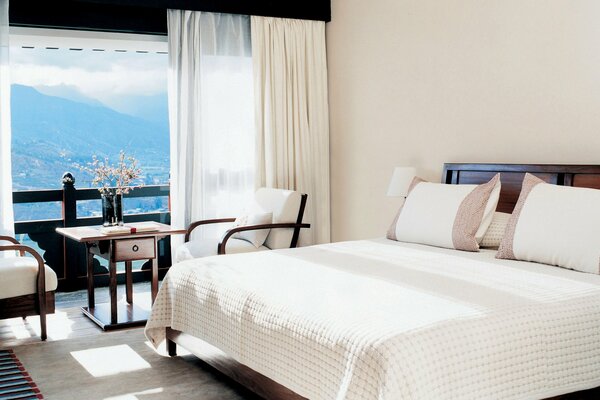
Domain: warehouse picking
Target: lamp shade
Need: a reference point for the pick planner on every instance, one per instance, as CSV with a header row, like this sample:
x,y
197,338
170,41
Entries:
x,y
401,180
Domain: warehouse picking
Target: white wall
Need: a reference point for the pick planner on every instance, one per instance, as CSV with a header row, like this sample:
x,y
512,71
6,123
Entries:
x,y
423,82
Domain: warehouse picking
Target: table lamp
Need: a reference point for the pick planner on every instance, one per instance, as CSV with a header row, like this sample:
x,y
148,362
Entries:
x,y
401,180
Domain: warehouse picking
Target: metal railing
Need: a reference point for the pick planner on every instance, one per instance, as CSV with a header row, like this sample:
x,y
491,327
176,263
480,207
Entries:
x,y
66,257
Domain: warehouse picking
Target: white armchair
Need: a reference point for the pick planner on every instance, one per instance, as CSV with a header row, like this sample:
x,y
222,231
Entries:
x,y
26,285
287,208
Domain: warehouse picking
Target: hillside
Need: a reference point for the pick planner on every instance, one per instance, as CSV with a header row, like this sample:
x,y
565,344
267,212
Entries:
x,y
51,133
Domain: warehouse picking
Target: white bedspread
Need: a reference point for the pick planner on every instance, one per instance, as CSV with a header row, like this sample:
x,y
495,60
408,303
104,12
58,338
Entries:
x,y
384,320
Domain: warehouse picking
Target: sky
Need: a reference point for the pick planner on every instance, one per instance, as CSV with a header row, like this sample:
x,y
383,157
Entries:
x,y
106,76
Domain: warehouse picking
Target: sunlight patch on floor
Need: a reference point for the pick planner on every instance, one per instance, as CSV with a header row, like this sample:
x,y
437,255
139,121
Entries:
x,y
59,326
21,330
142,300
162,349
134,396
112,360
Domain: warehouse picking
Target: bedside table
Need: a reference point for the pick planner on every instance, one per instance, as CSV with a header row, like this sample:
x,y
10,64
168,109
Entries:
x,y
126,248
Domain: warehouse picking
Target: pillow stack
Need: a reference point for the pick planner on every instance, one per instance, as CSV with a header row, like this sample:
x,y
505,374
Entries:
x,y
551,224
450,216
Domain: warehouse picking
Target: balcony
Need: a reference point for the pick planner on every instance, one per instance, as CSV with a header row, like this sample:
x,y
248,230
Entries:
x,y
66,257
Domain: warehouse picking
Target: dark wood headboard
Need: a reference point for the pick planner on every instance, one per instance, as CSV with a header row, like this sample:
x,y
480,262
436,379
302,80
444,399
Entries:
x,y
512,175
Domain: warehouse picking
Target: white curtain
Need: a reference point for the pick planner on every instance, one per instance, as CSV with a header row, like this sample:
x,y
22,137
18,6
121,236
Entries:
x,y
290,78
6,206
211,112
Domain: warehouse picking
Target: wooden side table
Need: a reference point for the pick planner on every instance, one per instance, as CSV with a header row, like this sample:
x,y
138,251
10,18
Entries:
x,y
126,248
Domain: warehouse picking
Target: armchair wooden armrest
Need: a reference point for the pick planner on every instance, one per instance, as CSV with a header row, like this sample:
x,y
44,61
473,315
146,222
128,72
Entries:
x,y
9,239
233,231
196,224
13,241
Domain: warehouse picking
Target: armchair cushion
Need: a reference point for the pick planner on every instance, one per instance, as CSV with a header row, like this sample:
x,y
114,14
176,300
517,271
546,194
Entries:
x,y
209,247
284,204
257,237
18,277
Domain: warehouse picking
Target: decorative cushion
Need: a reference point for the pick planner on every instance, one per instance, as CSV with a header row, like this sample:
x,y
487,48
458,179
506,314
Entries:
x,y
18,277
208,247
451,216
284,204
557,225
494,234
257,237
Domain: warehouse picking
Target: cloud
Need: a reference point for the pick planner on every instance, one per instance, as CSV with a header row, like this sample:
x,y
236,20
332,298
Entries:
x,y
104,76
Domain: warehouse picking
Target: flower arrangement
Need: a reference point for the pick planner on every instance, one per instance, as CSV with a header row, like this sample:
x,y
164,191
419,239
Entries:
x,y
115,178
113,181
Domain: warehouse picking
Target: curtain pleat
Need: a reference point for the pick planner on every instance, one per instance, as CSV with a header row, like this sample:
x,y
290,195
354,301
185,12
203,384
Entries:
x,y
6,206
211,117
292,120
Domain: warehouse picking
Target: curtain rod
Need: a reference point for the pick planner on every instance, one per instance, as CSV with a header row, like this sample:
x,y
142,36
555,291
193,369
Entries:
x,y
148,16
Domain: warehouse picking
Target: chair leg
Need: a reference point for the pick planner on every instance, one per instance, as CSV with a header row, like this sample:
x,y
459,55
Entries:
x,y
43,326
42,309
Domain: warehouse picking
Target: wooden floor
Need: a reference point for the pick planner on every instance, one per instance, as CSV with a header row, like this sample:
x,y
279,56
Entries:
x,y
68,321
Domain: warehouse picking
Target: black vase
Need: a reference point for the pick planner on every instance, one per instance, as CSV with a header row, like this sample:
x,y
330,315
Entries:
x,y
119,209
112,209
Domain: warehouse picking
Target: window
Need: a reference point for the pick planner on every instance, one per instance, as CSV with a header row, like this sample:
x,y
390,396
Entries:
x,y
76,94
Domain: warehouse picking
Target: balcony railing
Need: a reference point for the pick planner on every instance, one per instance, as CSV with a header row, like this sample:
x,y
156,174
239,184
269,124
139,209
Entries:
x,y
66,257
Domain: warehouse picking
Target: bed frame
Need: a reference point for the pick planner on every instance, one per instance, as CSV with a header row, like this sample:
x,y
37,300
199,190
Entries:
x,y
454,173
512,175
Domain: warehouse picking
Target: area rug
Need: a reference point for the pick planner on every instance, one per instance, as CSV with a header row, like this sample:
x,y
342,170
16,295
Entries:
x,y
15,382
121,366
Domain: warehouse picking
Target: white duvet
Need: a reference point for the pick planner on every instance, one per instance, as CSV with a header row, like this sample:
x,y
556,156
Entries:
x,y
384,320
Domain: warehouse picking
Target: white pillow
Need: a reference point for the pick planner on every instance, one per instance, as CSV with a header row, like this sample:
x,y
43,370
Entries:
x,y
256,237
451,216
494,234
557,225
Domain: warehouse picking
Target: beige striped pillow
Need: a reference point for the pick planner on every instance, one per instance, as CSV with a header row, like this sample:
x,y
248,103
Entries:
x,y
556,225
451,216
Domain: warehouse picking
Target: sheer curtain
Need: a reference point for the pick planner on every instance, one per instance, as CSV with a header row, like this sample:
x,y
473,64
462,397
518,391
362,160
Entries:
x,y
211,112
290,78
6,210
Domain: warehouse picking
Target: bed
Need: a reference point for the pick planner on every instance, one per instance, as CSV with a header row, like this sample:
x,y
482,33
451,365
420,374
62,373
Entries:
x,y
378,319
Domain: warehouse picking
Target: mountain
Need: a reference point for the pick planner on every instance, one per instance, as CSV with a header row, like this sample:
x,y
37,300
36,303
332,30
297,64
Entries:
x,y
151,108
52,133
68,92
